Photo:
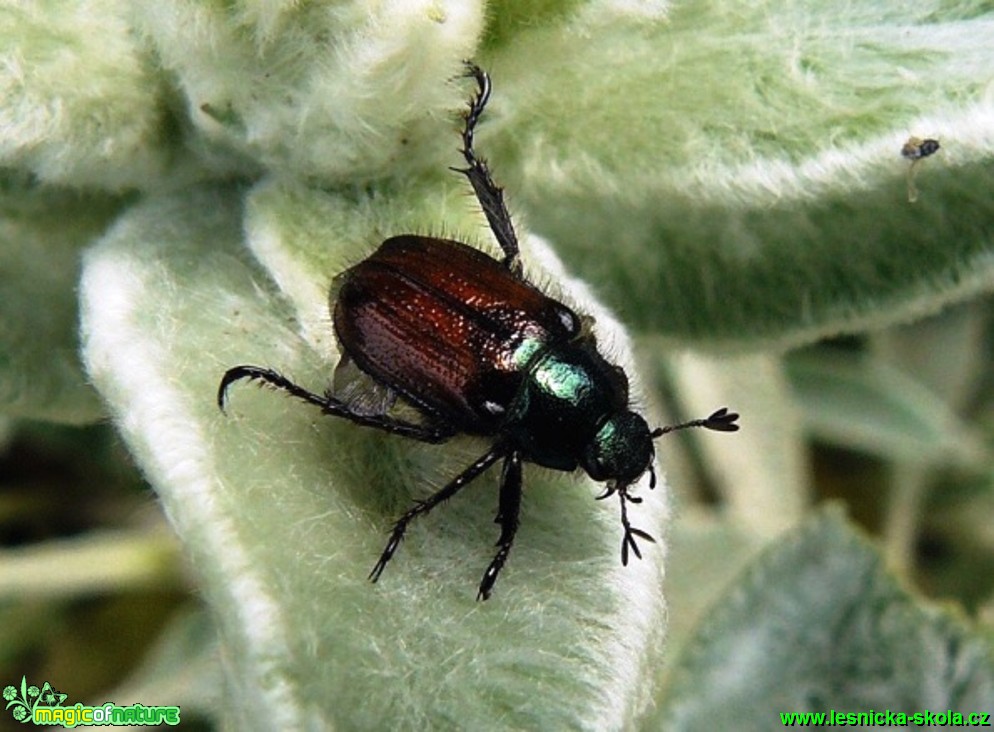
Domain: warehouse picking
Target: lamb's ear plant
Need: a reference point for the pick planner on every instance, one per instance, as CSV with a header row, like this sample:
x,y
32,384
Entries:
x,y
867,647
186,179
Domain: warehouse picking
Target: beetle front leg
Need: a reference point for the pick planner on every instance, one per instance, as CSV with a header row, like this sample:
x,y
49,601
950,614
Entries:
x,y
508,511
423,507
628,540
488,193
329,405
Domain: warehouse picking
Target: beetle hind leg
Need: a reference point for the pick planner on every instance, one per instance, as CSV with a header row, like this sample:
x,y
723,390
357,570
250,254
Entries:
x,y
264,376
488,193
328,404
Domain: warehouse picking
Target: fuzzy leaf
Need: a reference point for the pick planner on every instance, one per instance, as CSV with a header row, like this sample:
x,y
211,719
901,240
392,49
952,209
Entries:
x,y
338,91
284,511
741,161
706,556
818,625
866,404
80,103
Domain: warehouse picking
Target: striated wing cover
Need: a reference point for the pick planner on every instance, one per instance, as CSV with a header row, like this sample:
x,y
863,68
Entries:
x,y
446,326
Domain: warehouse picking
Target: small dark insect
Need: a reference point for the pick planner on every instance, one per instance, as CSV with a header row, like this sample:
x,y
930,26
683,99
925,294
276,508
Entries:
x,y
478,350
916,148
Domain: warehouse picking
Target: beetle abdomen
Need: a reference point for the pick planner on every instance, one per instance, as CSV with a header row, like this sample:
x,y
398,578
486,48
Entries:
x,y
446,326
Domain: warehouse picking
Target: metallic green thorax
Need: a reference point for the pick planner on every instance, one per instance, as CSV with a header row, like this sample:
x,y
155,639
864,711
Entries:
x,y
572,411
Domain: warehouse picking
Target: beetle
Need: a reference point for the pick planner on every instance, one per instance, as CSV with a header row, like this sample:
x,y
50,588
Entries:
x,y
477,349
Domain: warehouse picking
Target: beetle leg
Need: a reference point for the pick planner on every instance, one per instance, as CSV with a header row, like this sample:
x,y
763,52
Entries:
x,y
509,508
628,541
330,405
423,507
488,193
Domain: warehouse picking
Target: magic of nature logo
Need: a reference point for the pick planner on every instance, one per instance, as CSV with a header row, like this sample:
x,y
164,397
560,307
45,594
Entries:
x,y
46,706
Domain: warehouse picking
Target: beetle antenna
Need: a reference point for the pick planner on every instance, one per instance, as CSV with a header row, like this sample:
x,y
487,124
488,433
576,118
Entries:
x,y
719,421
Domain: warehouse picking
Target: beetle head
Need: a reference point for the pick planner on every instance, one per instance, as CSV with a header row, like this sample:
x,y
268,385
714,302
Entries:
x,y
620,451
